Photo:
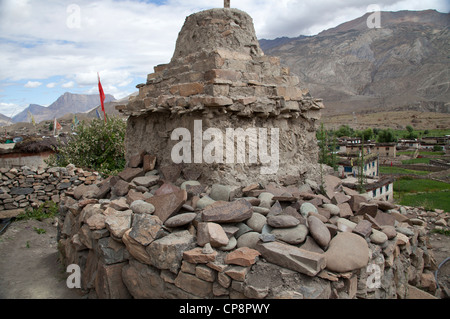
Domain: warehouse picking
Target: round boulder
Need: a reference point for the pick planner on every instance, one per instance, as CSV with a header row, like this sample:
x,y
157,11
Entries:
x,y
319,231
347,252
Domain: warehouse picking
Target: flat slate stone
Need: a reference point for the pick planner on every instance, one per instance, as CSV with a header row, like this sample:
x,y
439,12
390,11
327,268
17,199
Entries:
x,y
180,220
168,204
291,257
228,212
282,221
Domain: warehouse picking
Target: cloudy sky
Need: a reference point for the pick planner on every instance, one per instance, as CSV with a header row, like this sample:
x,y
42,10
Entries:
x,y
48,47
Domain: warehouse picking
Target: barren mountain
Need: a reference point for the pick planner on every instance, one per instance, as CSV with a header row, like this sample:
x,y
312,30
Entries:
x,y
404,65
66,103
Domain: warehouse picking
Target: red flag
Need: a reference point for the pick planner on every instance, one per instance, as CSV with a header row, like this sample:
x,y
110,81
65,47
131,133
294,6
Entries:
x,y
102,95
391,163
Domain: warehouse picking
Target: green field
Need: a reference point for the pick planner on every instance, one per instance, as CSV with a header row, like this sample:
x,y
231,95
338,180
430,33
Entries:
x,y
386,170
427,193
422,160
429,201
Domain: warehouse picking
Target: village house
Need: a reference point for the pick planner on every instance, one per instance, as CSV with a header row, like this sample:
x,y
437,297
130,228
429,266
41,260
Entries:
x,y
386,149
351,164
408,144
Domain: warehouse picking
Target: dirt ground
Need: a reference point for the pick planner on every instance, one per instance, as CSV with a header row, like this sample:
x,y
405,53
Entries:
x,y
30,269
29,265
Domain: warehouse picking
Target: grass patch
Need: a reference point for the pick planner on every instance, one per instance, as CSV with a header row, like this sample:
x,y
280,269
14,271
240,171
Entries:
x,y
445,232
39,230
428,201
411,185
422,160
46,210
431,153
386,170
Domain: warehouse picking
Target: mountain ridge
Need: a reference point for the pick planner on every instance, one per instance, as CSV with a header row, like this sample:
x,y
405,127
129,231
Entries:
x,y
403,65
64,104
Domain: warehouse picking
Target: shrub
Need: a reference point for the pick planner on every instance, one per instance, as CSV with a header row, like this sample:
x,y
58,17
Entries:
x,y
96,145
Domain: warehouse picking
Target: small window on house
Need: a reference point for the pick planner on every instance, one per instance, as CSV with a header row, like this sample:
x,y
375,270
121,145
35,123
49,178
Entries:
x,y
374,193
387,148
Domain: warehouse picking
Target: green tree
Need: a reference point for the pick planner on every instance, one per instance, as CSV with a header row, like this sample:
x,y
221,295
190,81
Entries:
x,y
386,136
345,130
366,134
411,134
96,145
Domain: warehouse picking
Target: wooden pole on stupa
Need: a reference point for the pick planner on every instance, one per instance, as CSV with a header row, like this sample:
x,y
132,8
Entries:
x,y
226,3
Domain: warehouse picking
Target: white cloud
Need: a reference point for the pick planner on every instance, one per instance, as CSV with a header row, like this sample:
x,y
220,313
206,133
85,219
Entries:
x,y
125,39
68,85
32,84
9,109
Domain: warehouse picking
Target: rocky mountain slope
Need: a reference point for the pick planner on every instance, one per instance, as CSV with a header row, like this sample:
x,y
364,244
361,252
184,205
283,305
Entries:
x,y
66,103
404,65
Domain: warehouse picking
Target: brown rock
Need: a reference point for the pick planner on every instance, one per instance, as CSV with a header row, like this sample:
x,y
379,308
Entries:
x,y
109,284
118,223
363,228
383,205
166,188
121,188
171,172
146,228
135,248
167,252
293,258
149,163
384,219
237,273
197,256
193,285
282,221
136,160
355,201
347,252
372,220
367,208
319,231
344,210
180,220
96,221
211,233
168,204
129,173
389,231
228,212
339,198
331,184
243,256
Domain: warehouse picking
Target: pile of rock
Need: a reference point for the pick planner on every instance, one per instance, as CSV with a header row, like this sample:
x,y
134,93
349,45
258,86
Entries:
x,y
140,235
27,187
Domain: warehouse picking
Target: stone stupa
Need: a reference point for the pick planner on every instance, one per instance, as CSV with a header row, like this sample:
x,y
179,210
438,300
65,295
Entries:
x,y
219,79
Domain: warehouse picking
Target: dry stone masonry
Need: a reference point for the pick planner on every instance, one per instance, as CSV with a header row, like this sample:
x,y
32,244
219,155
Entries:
x,y
26,187
219,76
194,240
